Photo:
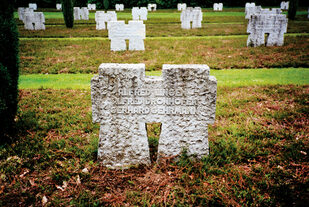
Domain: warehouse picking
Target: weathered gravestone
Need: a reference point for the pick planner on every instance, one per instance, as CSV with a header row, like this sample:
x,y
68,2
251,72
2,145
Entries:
x,y
102,18
34,21
119,32
91,7
181,7
183,100
284,5
152,7
33,6
249,9
218,6
81,13
269,22
139,13
119,7
194,15
21,12
58,6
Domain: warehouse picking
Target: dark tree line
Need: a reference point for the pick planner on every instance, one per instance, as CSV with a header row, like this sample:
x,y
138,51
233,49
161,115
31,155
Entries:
x,y
160,3
9,64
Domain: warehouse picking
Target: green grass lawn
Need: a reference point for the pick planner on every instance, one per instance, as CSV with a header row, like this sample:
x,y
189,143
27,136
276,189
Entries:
x,y
258,154
230,78
72,55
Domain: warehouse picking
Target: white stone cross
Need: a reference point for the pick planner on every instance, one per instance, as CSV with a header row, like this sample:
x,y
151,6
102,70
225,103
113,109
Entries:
x,y
194,15
22,11
92,7
58,6
102,18
119,32
183,100
139,13
284,5
81,13
218,6
152,7
181,7
270,22
33,6
34,21
119,7
249,10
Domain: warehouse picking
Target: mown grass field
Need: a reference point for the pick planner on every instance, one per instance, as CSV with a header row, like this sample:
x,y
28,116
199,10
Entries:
x,y
259,143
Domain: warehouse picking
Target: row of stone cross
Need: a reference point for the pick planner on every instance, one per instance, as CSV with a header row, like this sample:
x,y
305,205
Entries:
x,y
216,6
269,22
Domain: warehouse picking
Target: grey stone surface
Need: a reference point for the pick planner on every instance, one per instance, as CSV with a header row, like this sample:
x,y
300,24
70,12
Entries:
x,y
58,6
81,13
102,18
92,7
259,10
249,9
191,15
119,32
181,7
152,7
218,6
119,7
139,13
34,21
270,22
21,12
33,6
123,100
284,5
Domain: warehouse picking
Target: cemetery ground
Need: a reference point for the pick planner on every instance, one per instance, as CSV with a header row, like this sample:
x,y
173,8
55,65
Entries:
x,y
258,144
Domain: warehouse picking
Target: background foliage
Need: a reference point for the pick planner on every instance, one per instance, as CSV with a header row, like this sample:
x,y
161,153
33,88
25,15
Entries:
x,y
160,3
8,69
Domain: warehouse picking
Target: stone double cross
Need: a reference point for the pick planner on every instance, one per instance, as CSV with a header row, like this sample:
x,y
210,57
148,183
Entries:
x,y
266,21
194,15
102,18
34,21
123,100
139,13
119,32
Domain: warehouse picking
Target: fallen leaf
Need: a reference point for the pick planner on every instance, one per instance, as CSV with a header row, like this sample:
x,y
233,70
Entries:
x,y
78,180
44,200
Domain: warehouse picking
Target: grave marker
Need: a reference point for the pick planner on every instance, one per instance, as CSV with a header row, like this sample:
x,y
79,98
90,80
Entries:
x,y
119,32
194,15
139,13
181,7
152,7
249,9
102,18
33,6
21,12
218,6
284,5
92,7
123,100
34,21
58,6
270,22
81,13
119,7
